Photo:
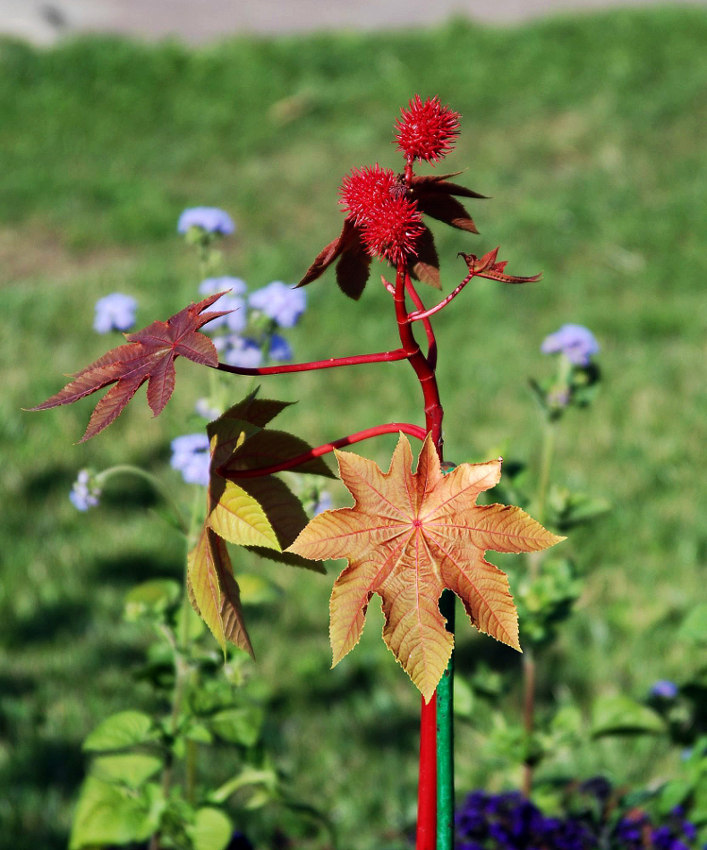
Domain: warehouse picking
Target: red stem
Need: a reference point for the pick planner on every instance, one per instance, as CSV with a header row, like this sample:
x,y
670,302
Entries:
x,y
354,360
422,314
424,371
389,428
431,341
426,836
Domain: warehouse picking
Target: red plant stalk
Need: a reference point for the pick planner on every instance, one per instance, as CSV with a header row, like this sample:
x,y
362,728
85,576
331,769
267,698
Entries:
x,y
426,836
325,448
329,363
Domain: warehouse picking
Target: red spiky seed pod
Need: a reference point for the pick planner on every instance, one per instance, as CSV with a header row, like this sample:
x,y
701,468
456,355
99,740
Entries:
x,y
392,232
365,189
426,130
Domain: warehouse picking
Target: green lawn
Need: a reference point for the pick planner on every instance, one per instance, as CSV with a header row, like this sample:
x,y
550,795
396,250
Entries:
x,y
589,135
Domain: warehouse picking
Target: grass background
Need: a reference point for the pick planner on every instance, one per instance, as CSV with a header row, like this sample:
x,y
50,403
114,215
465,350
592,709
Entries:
x,y
585,131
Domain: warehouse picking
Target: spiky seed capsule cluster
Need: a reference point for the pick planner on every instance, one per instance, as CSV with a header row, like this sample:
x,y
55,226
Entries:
x,y
365,189
393,232
375,200
426,130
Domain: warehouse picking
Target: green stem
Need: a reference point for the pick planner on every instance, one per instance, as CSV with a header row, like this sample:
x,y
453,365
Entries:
x,y
152,480
534,561
528,715
445,739
548,450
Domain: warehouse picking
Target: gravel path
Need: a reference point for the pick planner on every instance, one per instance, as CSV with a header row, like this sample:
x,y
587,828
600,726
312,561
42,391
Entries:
x,y
196,21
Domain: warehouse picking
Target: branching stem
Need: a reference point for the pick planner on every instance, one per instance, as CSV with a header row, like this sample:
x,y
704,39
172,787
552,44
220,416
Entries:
x,y
331,362
421,314
325,448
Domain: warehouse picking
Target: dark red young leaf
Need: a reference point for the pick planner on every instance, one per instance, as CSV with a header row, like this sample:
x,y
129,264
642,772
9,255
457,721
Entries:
x,y
447,209
148,355
433,194
438,184
488,267
353,269
354,264
425,267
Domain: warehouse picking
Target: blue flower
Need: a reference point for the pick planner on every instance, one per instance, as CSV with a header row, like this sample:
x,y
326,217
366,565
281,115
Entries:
x,y
190,456
664,689
237,319
576,342
240,351
280,349
279,302
323,503
114,312
85,493
206,409
210,219
210,285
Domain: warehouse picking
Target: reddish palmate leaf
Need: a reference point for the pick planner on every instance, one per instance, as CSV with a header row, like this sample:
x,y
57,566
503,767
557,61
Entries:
x,y
353,264
488,267
434,198
408,537
148,355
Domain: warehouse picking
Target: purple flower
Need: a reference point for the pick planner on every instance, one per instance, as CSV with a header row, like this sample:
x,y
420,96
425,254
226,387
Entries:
x,y
237,319
576,342
664,689
322,504
190,456
210,219
204,408
280,349
240,351
114,312
210,285
279,302
85,493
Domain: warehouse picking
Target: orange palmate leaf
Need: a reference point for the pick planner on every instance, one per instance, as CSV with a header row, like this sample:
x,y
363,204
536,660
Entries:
x,y
148,355
409,536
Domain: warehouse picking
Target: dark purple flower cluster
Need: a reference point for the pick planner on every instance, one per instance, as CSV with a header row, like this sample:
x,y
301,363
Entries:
x,y
635,831
509,821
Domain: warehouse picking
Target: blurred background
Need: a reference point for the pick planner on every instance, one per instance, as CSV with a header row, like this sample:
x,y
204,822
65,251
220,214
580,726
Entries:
x,y
44,22
584,122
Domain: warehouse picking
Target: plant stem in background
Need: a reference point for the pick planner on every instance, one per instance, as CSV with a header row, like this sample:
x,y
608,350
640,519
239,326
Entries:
x,y
534,559
445,739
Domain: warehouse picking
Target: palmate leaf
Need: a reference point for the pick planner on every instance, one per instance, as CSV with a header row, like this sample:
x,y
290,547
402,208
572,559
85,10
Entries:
x,y
408,537
148,355
259,513
213,591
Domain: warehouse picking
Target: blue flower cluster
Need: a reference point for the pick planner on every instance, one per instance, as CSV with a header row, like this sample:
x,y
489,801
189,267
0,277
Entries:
x,y
208,219
246,336
664,689
190,456
509,821
576,342
114,312
85,493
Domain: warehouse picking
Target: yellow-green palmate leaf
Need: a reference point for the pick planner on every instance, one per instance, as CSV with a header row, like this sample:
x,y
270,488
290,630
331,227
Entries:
x,y
409,536
213,590
259,513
